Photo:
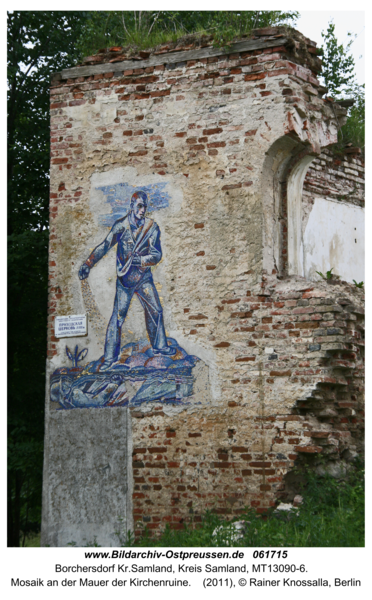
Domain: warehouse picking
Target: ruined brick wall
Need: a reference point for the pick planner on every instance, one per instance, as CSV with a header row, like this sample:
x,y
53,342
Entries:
x,y
284,355
336,177
333,210
330,178
296,391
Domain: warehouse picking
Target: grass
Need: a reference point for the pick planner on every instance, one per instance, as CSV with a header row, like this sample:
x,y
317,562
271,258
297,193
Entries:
x,y
32,540
149,29
332,515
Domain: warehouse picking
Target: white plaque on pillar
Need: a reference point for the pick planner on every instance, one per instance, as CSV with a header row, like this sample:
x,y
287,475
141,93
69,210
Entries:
x,y
70,326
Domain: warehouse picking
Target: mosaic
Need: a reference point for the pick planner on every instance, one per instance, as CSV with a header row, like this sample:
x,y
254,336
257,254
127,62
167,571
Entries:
x,y
153,369
140,376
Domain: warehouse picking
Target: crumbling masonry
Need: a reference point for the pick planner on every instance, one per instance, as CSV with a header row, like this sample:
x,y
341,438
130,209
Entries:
x,y
239,141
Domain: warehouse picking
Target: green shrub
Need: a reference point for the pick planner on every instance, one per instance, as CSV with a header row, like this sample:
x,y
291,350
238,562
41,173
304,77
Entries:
x,y
331,515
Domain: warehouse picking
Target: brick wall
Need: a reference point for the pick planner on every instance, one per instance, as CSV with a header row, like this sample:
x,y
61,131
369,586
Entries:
x,y
285,355
307,340
334,177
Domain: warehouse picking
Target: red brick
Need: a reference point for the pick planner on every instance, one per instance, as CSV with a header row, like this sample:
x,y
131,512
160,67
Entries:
x,y
59,161
280,373
160,93
58,105
248,61
308,449
307,325
232,186
264,471
142,96
138,153
254,76
216,145
212,131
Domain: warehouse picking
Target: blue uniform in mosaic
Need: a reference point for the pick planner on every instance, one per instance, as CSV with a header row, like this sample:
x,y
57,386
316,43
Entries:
x,y
138,249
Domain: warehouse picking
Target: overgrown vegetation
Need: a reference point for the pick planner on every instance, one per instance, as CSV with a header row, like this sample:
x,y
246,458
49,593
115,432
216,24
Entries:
x,y
147,29
327,276
38,44
331,515
338,75
353,132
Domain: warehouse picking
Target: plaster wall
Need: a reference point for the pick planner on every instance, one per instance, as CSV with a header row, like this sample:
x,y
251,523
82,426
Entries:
x,y
334,238
88,470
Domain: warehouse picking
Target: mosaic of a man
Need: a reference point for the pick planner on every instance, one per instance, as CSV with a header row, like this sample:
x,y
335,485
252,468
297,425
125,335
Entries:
x,y
138,249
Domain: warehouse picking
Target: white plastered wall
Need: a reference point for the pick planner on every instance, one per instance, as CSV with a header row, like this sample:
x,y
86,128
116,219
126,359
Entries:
x,y
333,237
294,211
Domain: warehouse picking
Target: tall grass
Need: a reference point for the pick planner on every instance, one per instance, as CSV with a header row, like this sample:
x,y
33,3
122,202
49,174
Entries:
x,y
331,515
148,29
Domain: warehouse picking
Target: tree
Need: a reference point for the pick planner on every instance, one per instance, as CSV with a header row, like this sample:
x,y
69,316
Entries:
x,y
338,74
338,71
39,43
353,132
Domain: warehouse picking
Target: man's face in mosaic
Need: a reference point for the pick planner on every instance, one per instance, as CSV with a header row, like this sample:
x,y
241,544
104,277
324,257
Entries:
x,y
139,208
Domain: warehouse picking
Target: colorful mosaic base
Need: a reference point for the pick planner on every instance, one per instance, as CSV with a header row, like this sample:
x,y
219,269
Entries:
x,y
138,377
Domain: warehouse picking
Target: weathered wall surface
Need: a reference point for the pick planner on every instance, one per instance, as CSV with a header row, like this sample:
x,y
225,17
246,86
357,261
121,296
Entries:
x,y
89,491
266,369
333,217
329,240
